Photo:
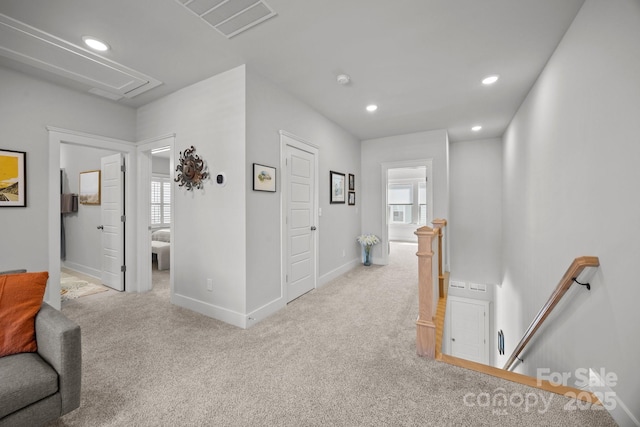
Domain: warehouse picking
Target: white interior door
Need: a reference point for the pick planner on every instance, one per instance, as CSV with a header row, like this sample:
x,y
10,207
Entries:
x,y
300,222
469,323
112,207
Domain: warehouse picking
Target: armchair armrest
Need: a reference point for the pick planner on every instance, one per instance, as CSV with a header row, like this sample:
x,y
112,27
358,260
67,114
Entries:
x,y
59,343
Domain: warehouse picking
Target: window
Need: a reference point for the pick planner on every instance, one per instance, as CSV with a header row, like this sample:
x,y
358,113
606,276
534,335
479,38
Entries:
x,y
408,202
160,201
400,200
422,203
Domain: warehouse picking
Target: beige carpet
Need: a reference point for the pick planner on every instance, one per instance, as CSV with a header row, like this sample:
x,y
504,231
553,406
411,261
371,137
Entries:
x,y
72,287
341,355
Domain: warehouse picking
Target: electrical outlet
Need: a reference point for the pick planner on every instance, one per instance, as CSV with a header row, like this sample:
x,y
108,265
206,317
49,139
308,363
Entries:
x,y
210,285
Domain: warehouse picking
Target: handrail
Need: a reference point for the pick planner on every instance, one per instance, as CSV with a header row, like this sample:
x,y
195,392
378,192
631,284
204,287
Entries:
x,y
577,266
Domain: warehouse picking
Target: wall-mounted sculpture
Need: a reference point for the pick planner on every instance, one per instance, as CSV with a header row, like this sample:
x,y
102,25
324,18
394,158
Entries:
x,y
191,171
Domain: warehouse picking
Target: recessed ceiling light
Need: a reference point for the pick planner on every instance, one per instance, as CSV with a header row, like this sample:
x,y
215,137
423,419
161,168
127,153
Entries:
x,y
372,107
95,44
489,80
476,128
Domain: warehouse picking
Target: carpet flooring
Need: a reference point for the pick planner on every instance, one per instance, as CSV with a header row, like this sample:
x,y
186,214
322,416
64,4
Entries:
x,y
341,355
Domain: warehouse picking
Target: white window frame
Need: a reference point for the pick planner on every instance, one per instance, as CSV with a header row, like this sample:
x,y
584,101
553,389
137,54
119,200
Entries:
x,y
164,207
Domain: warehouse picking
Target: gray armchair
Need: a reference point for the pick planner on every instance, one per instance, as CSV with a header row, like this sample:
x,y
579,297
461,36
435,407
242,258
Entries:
x,y
42,386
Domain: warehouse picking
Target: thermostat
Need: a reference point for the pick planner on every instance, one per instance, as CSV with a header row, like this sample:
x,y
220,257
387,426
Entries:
x,y
221,179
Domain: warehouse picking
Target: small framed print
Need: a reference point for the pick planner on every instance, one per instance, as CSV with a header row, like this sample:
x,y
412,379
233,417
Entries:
x,y
89,188
264,178
13,179
352,183
337,186
352,198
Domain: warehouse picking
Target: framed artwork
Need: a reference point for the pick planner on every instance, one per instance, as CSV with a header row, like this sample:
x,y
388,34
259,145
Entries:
x,y
13,178
352,182
337,186
264,178
352,198
89,188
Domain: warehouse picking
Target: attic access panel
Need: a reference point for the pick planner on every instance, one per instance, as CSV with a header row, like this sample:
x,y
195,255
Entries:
x,y
230,17
28,45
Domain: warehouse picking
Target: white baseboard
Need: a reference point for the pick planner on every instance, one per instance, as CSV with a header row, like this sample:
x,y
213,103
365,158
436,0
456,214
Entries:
x,y
231,317
265,311
89,271
621,414
220,313
337,272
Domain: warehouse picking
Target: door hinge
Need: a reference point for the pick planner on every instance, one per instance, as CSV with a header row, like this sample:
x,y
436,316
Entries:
x,y
286,278
286,161
123,218
123,268
123,168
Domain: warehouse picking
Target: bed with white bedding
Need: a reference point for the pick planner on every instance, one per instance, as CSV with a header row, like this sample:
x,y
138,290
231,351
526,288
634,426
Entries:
x,y
160,247
161,235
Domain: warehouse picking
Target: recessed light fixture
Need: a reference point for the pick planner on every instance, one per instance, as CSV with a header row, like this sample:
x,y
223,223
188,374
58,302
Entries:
x,y
489,80
372,107
95,44
476,128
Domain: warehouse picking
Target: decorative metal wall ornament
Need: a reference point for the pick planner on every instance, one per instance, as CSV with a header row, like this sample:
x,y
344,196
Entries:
x,y
191,171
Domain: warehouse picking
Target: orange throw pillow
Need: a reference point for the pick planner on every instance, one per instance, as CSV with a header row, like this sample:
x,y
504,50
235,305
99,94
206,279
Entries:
x,y
20,300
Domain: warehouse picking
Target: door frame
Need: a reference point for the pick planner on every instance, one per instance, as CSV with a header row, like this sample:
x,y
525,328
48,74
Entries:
x,y
58,136
487,322
288,139
144,208
384,238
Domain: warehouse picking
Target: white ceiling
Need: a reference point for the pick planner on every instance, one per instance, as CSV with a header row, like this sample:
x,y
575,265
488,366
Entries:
x,y
421,61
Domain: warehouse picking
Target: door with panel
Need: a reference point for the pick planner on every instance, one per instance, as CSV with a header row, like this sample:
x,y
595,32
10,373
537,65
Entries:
x,y
113,221
300,222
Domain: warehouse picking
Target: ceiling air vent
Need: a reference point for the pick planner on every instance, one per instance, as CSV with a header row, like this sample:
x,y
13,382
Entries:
x,y
230,17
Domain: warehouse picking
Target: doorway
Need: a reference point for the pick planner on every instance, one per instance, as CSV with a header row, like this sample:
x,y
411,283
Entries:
x,y
57,137
300,217
407,201
156,224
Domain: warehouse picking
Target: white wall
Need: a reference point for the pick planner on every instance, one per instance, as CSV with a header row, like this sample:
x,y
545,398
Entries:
x,y
422,145
269,110
83,239
476,211
29,105
209,224
570,189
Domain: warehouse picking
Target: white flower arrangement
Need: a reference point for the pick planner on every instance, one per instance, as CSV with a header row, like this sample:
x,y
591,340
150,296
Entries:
x,y
368,239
